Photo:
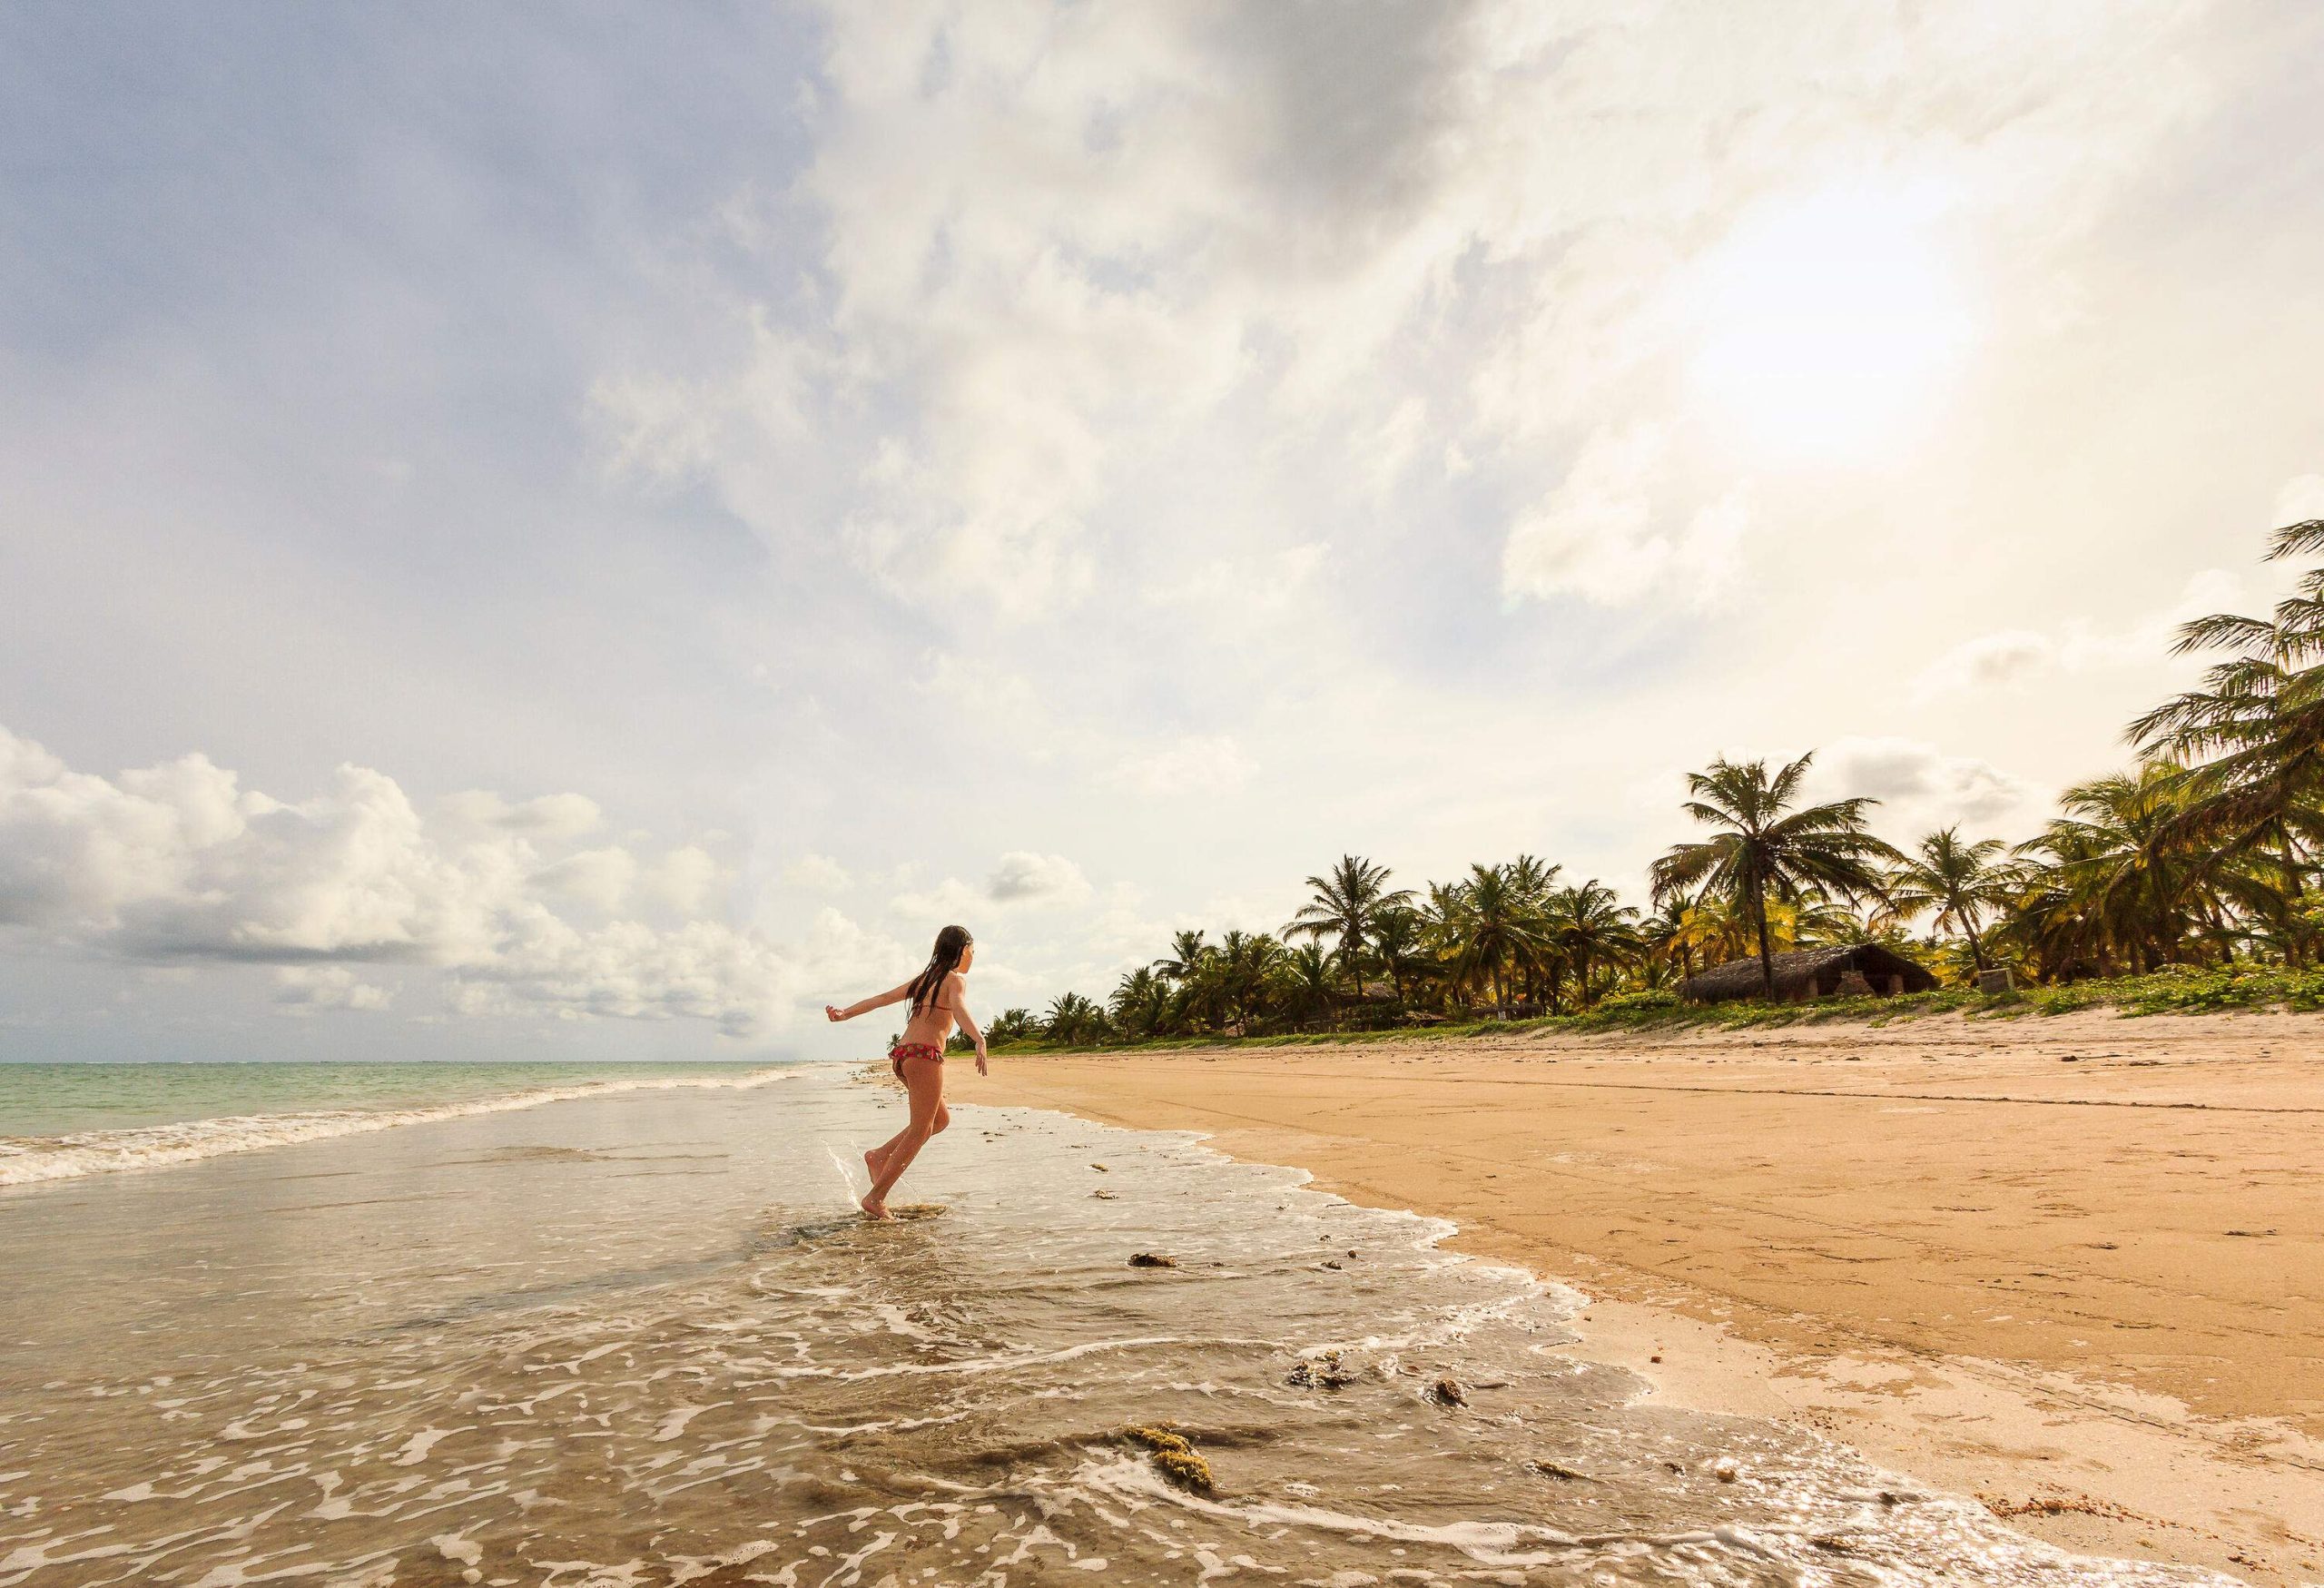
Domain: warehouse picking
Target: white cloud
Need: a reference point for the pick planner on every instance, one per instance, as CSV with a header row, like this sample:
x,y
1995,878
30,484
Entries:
x,y
2015,657
1191,765
308,988
1242,589
177,864
1918,786
2300,501
1021,879
2011,657
818,874
981,685
556,815
1603,535
1072,255
684,880
602,877
948,901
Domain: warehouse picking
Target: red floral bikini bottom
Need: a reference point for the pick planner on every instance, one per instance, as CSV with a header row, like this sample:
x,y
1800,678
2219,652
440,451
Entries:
x,y
903,1051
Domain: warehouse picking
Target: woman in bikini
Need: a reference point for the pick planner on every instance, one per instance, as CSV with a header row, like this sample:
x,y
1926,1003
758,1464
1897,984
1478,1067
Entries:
x,y
917,1057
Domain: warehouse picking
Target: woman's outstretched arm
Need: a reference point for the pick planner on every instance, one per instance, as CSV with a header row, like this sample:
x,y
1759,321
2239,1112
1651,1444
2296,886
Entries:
x,y
893,995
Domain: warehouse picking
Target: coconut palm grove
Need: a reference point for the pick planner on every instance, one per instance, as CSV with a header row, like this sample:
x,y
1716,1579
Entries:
x,y
2188,879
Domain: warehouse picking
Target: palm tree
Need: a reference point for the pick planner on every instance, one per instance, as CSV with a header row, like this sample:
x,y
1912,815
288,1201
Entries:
x,y
1589,926
1140,1004
1530,879
2121,875
1717,930
1661,940
1246,961
1818,921
1074,1019
1531,876
1958,881
2251,739
1186,956
1439,921
1347,904
1398,939
1494,931
1769,847
1303,976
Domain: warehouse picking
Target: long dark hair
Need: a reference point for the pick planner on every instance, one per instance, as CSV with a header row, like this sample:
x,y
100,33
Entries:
x,y
951,944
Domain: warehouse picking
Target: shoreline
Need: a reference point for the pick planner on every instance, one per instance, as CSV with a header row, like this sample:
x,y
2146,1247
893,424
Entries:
x,y
1766,1233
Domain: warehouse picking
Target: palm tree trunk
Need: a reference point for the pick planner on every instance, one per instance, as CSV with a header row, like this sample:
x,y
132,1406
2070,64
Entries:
x,y
1767,954
2295,950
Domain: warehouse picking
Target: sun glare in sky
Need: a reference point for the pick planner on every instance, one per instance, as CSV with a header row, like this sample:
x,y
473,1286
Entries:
x,y
1830,326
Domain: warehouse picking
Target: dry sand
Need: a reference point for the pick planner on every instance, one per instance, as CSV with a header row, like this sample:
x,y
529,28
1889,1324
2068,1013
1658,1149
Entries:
x,y
2069,1265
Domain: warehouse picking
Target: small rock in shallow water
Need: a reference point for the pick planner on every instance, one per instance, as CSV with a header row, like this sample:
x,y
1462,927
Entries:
x,y
1723,1469
1447,1392
1151,1260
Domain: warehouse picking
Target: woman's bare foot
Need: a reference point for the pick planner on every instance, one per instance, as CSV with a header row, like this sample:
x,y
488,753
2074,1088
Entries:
x,y
876,1207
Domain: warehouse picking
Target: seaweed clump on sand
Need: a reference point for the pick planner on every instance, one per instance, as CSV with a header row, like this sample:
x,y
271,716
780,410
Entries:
x,y
1175,1457
1447,1392
1325,1372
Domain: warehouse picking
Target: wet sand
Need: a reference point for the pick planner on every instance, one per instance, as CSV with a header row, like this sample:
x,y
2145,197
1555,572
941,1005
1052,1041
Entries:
x,y
2069,1265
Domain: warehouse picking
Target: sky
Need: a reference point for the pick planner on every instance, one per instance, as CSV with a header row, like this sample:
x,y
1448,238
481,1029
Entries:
x,y
590,531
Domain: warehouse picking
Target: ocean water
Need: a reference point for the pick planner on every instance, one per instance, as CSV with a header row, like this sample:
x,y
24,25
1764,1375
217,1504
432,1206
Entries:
x,y
636,1337
60,1122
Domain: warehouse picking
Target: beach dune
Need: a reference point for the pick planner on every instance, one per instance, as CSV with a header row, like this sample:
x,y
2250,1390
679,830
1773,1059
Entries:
x,y
2072,1265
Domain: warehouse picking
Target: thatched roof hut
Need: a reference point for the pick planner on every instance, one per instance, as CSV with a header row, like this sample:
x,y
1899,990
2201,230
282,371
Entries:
x,y
1805,973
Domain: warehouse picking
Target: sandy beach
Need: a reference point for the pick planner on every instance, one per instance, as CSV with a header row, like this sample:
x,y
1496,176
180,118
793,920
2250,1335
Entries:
x,y
2069,1265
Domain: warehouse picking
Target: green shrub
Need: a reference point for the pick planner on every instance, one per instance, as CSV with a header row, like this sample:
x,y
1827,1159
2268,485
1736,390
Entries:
x,y
1642,999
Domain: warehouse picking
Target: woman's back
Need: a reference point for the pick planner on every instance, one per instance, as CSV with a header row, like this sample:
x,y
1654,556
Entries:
x,y
933,1020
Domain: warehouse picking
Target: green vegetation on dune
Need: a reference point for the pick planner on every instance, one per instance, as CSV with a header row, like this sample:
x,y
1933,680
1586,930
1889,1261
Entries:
x,y
2192,881
2179,989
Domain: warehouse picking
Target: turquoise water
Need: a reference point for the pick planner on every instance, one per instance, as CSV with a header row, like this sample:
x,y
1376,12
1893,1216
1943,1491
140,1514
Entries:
x,y
56,1100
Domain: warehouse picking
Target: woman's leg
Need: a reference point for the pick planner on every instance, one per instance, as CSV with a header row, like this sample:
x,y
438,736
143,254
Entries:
x,y
924,1078
876,1159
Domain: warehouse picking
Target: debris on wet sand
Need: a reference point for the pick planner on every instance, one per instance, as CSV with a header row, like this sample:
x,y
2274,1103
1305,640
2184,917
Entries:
x,y
1175,1457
